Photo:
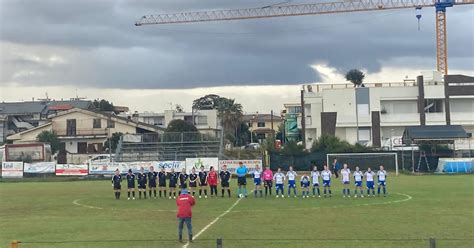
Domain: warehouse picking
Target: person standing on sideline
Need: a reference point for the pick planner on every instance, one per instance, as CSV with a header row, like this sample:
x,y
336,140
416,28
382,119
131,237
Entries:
x,y
225,176
183,179
279,178
369,175
202,182
162,182
130,184
212,180
346,174
185,202
152,175
257,181
382,177
116,183
326,175
193,177
268,180
315,177
141,178
291,175
358,176
336,166
241,172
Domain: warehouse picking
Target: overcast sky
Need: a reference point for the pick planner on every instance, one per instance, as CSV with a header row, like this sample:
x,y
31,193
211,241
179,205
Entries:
x,y
93,48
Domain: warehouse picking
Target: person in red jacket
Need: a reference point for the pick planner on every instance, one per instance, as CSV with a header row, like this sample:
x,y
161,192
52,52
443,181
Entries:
x,y
185,202
212,180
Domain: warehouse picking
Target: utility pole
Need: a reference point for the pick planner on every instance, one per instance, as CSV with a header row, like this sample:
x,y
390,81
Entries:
x,y
271,120
110,138
303,119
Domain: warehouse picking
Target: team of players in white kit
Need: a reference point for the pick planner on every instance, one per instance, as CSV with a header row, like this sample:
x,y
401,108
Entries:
x,y
314,179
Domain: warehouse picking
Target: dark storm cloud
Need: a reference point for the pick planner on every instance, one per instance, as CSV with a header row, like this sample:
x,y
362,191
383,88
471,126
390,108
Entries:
x,y
103,48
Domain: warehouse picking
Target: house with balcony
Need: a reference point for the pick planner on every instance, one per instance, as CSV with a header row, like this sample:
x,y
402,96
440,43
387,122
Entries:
x,y
378,113
262,125
83,131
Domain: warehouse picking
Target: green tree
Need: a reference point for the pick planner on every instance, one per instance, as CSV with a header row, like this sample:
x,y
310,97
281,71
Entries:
x,y
51,138
292,148
356,77
114,141
206,102
242,134
330,143
103,105
180,126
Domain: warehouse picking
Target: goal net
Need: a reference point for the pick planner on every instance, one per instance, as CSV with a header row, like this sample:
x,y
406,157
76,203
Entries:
x,y
365,160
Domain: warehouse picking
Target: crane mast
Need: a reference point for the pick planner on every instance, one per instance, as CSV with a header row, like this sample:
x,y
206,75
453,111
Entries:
x,y
319,8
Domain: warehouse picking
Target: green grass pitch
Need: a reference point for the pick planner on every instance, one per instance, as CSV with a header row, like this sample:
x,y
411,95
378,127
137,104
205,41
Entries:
x,y
417,207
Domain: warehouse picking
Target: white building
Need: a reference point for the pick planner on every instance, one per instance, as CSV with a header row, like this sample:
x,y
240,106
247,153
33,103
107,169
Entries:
x,y
383,110
204,120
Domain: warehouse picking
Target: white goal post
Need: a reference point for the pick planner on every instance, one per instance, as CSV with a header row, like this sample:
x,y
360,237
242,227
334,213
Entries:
x,y
375,157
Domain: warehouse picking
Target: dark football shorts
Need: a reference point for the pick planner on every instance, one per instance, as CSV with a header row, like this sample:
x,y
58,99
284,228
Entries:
x,y
268,183
117,186
225,184
141,186
131,185
202,184
192,184
152,184
172,185
241,181
162,184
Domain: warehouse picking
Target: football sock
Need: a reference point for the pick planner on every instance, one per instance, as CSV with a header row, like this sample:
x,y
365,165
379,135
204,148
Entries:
x,y
228,192
133,194
154,192
139,194
128,194
319,193
200,192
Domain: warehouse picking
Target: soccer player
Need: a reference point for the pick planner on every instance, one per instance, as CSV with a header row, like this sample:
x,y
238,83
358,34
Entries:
x,y
358,175
291,175
193,177
346,175
326,175
173,177
315,176
381,176
257,181
202,182
212,180
225,177
336,167
116,183
268,180
130,184
279,178
369,175
162,182
305,181
241,172
141,179
183,180
152,174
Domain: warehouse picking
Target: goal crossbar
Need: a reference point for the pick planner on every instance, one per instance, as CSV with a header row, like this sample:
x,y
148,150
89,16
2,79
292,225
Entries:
x,y
368,153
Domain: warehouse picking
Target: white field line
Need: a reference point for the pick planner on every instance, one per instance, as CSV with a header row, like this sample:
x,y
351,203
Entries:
x,y
214,221
76,202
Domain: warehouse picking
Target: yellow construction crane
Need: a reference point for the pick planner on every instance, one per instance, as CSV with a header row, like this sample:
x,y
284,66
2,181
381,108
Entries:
x,y
321,8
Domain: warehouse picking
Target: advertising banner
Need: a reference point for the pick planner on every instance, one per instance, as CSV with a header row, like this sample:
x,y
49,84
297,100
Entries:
x,y
12,169
198,162
108,168
233,164
40,167
71,170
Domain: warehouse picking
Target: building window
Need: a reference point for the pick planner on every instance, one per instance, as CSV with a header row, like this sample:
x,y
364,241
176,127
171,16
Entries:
x,y
261,124
294,110
71,127
82,147
433,105
110,124
97,123
364,133
202,120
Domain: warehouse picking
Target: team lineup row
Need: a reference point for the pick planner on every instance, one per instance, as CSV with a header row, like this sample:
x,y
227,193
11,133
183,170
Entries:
x,y
203,180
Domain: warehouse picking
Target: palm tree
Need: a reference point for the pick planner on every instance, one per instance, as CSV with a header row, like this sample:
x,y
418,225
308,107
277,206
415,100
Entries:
x,y
230,114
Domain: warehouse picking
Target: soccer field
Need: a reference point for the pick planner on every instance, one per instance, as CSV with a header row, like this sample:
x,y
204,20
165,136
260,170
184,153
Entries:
x,y
85,214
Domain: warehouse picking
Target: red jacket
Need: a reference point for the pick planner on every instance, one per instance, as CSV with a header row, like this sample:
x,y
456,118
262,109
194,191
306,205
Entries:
x,y
185,203
212,178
